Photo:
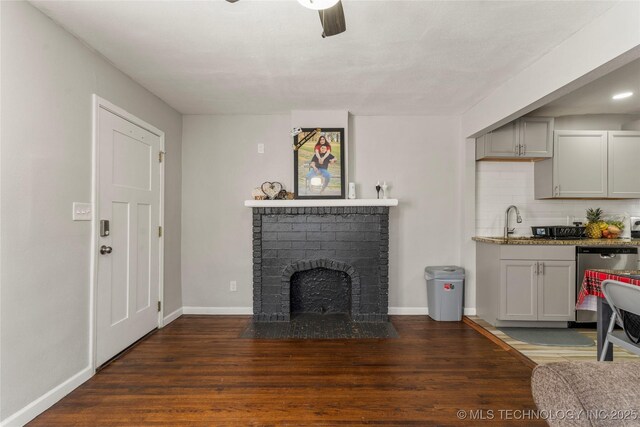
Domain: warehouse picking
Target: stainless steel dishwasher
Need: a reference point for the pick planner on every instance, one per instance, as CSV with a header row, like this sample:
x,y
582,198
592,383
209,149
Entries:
x,y
602,257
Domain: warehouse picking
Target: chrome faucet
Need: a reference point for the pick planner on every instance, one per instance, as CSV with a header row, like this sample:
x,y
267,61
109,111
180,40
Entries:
x,y
508,230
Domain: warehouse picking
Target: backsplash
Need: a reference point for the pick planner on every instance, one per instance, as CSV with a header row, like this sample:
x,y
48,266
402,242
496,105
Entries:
x,y
500,184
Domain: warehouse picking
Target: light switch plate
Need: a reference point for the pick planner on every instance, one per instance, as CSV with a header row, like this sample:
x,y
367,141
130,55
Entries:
x,y
82,211
260,148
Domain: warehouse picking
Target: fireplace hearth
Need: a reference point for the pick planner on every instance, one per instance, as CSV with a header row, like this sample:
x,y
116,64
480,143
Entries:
x,y
318,327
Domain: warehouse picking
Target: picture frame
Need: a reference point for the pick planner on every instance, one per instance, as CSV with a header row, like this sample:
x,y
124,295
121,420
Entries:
x,y
319,157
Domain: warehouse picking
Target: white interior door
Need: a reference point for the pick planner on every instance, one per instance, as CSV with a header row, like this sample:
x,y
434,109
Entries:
x,y
128,263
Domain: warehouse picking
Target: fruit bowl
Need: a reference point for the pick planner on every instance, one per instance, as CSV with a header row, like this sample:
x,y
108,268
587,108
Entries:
x,y
599,227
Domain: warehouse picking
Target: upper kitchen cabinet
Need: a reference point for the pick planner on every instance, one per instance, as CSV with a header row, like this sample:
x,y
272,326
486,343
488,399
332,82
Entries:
x,y
578,167
525,138
480,147
624,173
502,142
536,137
590,164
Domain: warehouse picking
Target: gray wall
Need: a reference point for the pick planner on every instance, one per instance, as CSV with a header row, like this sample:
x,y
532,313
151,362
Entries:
x,y
47,79
220,168
594,122
634,125
420,157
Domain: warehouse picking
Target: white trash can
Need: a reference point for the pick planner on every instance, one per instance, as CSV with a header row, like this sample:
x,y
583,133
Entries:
x,y
445,290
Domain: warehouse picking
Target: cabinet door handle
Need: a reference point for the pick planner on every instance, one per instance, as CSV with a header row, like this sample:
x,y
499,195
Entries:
x,y
524,149
557,190
536,269
541,267
516,150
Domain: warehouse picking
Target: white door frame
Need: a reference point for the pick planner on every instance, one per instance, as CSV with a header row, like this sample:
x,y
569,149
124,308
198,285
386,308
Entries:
x,y
98,103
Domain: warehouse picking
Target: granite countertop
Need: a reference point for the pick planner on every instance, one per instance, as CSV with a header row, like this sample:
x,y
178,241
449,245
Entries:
x,y
538,241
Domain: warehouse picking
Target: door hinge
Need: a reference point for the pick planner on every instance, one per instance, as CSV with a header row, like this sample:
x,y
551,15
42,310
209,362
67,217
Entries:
x,y
160,231
161,156
159,305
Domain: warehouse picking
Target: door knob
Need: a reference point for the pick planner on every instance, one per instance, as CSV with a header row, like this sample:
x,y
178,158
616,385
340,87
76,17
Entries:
x,y
105,249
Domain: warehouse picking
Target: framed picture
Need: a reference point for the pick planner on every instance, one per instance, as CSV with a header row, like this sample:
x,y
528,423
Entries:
x,y
319,163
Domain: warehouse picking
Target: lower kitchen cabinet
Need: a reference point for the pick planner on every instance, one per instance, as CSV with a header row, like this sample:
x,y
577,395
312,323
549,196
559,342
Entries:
x,y
556,290
526,284
518,290
537,290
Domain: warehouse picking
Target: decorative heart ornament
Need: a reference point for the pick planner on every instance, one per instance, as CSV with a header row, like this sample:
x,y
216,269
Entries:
x,y
271,189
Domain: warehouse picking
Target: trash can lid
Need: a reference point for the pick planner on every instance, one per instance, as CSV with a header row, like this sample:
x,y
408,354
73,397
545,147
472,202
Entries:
x,y
444,272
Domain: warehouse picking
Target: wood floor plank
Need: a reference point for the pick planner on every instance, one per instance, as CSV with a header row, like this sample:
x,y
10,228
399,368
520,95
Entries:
x,y
196,371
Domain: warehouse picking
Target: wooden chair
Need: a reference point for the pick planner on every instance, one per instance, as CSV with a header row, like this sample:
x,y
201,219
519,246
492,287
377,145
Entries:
x,y
620,296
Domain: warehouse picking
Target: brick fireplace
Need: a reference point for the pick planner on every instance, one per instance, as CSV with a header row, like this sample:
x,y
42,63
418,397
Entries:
x,y
330,259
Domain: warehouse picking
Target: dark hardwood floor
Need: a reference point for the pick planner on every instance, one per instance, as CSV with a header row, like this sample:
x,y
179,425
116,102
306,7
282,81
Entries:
x,y
196,371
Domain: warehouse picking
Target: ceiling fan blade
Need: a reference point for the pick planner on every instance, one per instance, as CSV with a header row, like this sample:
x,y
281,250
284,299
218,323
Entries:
x,y
332,20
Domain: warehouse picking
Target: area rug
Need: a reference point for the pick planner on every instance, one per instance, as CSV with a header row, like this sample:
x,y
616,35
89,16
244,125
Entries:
x,y
319,327
549,336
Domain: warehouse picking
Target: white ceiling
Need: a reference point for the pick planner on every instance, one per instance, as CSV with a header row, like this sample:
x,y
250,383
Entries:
x,y
264,57
595,97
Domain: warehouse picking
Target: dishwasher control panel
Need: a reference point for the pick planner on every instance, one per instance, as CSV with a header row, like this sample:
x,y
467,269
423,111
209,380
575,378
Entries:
x,y
607,250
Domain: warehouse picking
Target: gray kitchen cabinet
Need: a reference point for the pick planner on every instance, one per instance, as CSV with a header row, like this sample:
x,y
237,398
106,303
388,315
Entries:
x,y
480,146
525,138
556,290
578,168
518,290
623,170
502,142
527,286
536,137
537,290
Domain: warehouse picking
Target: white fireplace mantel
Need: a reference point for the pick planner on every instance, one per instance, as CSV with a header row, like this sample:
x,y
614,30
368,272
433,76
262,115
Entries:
x,y
313,203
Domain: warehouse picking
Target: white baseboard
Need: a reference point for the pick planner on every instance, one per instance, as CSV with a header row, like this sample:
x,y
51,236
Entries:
x,y
408,311
44,402
394,311
420,311
171,317
218,310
